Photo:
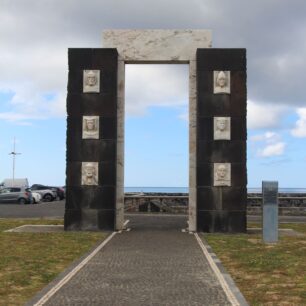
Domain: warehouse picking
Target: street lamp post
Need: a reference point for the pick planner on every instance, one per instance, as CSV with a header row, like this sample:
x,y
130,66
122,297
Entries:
x,y
14,153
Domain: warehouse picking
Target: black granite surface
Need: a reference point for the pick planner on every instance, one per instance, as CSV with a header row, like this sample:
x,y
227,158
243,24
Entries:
x,y
221,209
91,207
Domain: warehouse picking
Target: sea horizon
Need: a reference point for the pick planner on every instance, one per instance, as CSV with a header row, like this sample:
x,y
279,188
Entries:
x,y
186,189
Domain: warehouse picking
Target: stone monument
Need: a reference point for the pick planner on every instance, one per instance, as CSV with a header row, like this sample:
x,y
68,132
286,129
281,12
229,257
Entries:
x,y
217,128
221,140
91,139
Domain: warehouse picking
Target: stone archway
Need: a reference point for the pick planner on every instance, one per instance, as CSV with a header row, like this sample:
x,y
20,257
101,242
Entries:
x,y
95,163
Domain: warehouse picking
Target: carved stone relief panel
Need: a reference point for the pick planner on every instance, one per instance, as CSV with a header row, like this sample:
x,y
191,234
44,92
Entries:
x,y
222,128
91,81
222,82
222,174
90,127
90,173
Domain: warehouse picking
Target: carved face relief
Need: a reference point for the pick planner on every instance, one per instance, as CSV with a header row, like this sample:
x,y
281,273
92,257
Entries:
x,y
90,127
90,173
91,81
222,128
222,174
222,81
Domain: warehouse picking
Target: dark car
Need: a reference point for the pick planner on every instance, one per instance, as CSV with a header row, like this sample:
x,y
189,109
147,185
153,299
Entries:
x,y
15,195
60,192
47,193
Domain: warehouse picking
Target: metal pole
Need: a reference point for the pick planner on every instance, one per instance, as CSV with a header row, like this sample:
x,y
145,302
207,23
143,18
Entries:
x,y
14,161
14,156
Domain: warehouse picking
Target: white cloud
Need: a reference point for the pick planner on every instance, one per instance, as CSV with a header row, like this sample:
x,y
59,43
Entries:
x,y
38,82
155,85
271,142
262,116
18,119
10,116
27,106
269,137
35,37
275,149
300,125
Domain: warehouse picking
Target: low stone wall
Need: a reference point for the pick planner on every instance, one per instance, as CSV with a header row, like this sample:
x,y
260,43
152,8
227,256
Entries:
x,y
289,203
153,202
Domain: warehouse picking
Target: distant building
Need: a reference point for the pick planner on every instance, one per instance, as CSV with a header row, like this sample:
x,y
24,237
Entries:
x,y
21,182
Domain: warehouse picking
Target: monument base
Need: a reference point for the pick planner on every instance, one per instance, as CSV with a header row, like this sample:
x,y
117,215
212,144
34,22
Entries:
x,y
213,221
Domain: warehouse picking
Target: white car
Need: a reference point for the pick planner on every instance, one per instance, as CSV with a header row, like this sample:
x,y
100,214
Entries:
x,y
36,197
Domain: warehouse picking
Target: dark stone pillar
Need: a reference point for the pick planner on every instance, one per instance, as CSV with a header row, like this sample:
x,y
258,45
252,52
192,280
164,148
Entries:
x,y
221,208
91,207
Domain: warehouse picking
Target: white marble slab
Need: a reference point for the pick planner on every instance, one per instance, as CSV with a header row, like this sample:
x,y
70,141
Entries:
x,y
222,174
120,146
90,173
192,225
222,128
222,82
90,127
157,45
91,81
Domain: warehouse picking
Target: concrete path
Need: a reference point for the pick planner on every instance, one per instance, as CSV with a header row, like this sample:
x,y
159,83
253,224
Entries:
x,y
154,263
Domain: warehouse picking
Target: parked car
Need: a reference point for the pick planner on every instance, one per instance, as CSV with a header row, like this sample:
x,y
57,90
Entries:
x,y
60,192
46,193
15,195
36,197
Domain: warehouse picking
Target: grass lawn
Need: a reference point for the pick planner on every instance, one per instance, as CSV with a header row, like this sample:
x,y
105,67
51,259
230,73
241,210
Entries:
x,y
29,261
266,274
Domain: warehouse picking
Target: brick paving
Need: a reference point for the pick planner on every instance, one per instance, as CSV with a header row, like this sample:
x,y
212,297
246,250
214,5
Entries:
x,y
153,264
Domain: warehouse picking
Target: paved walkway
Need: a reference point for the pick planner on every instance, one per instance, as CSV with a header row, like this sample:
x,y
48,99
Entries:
x,y
153,264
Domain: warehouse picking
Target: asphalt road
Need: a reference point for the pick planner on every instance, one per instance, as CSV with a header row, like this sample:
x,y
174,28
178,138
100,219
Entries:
x,y
53,209
56,209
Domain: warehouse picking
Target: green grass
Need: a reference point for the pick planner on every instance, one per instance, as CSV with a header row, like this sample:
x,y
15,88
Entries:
x,y
273,274
29,261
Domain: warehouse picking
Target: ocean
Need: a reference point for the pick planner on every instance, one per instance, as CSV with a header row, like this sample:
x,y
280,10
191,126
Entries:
x,y
185,189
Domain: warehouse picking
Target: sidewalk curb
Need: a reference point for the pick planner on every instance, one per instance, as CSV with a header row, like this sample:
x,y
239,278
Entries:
x,y
231,290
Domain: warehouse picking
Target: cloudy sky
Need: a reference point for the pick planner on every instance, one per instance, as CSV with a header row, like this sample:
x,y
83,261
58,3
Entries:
x,y
35,35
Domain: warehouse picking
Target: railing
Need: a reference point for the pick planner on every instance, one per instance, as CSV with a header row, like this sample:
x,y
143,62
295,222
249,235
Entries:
x,y
156,203
178,204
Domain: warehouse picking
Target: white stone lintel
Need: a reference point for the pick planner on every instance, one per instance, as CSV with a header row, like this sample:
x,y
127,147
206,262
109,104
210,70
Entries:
x,y
154,46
